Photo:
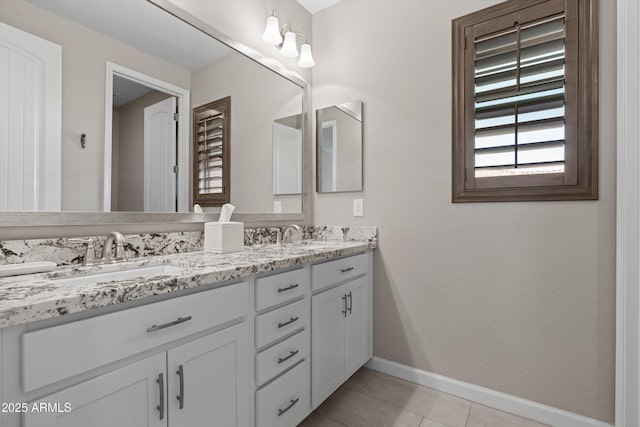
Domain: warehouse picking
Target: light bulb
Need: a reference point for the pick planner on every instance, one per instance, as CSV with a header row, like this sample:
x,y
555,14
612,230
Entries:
x,y
306,59
272,34
289,47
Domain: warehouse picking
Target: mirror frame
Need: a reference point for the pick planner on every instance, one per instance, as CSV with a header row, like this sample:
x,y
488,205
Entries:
x,y
68,218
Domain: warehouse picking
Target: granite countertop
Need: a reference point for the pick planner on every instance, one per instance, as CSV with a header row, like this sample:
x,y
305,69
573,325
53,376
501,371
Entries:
x,y
34,297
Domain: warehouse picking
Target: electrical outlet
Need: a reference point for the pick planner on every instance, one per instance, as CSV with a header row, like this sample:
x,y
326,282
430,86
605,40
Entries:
x,y
277,206
358,207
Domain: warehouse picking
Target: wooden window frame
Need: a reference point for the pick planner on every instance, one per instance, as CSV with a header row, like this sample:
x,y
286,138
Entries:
x,y
215,199
580,179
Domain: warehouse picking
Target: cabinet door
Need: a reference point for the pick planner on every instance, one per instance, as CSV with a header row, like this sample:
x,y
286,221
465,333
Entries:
x,y
127,397
209,380
327,343
357,340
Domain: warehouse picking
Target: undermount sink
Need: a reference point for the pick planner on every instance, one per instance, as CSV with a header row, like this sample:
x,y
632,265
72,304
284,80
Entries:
x,y
109,276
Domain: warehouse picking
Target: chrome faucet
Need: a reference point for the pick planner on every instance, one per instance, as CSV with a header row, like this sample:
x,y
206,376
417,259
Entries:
x,y
289,232
107,249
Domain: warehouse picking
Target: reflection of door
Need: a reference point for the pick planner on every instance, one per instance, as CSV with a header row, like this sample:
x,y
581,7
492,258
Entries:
x,y
329,156
287,160
30,120
160,157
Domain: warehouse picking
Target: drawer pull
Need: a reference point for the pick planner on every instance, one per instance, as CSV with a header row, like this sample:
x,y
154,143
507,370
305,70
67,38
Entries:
x,y
291,405
288,322
291,354
288,288
180,396
178,321
345,270
160,407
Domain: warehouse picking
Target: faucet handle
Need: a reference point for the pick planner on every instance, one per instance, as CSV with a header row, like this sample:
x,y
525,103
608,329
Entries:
x,y
131,236
278,234
89,257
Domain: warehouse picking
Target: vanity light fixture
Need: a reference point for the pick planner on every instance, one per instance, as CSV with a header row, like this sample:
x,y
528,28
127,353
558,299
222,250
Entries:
x,y
286,41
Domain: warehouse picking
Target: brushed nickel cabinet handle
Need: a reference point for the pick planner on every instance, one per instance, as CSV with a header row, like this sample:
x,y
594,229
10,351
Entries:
x,y
178,321
288,288
291,354
345,270
288,322
180,396
350,306
160,407
291,405
344,300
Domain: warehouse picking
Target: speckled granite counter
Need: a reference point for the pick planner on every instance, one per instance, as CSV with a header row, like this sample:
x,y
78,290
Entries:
x,y
29,298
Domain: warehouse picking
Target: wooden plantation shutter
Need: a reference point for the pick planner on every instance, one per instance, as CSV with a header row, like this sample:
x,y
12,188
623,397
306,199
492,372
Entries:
x,y
525,119
211,153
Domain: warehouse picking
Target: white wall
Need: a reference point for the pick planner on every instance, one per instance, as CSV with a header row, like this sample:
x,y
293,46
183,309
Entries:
x,y
516,297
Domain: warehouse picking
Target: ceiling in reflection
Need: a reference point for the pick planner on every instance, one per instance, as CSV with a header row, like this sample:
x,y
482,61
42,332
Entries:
x,y
179,44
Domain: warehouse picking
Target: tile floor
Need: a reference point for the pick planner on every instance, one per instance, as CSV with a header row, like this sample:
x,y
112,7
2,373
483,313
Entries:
x,y
372,399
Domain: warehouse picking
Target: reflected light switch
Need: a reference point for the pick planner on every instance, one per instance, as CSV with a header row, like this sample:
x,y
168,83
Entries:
x,y
358,207
277,206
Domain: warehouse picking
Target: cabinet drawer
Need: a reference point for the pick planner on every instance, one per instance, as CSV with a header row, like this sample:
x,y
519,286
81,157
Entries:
x,y
329,273
285,402
83,345
279,288
280,357
278,323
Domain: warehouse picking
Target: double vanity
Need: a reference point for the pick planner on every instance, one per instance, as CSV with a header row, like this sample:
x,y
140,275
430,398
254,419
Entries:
x,y
254,338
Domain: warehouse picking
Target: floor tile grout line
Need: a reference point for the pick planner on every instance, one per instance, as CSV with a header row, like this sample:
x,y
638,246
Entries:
x,y
466,423
370,379
390,404
336,421
419,386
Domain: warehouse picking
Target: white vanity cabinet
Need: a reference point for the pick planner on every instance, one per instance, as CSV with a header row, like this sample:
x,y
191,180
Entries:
x,y
261,352
125,397
341,323
204,380
208,380
283,376
199,382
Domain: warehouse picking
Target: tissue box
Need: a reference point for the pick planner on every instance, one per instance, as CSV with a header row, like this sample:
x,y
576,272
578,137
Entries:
x,y
223,237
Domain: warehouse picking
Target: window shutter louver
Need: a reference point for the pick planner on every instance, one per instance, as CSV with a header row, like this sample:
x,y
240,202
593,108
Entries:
x,y
519,100
211,174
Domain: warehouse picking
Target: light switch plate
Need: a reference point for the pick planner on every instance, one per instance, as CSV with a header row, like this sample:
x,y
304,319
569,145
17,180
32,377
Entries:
x,y
277,206
358,207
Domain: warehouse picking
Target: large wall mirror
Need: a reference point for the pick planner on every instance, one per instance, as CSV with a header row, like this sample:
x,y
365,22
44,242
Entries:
x,y
127,67
339,148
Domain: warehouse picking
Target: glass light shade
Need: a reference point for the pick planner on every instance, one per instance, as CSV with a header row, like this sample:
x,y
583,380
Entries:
x,y
289,48
306,59
272,34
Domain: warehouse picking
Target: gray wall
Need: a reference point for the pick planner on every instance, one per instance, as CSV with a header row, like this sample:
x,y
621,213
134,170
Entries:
x,y
516,297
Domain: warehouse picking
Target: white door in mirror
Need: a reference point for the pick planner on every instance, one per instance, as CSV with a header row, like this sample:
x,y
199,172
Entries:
x,y
32,119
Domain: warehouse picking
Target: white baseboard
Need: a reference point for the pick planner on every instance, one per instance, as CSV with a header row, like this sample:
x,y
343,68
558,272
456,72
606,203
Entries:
x,y
505,402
